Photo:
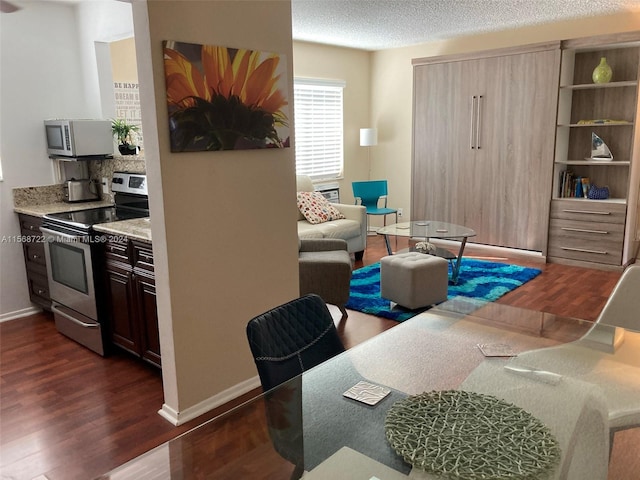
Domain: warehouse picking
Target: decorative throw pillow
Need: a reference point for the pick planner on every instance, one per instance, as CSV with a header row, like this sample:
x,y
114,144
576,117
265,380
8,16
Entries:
x,y
317,209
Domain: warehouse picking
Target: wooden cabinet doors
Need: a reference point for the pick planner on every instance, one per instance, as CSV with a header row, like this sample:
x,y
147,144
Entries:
x,y
131,299
121,306
483,145
443,127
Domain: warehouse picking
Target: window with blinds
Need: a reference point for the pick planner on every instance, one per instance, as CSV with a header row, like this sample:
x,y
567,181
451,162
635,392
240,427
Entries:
x,y
318,128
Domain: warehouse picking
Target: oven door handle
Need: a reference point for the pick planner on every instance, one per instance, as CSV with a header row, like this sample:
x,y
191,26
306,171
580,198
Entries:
x,y
55,233
74,320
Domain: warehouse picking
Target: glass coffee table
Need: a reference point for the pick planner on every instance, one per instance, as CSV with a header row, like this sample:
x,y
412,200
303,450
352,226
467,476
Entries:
x,y
428,229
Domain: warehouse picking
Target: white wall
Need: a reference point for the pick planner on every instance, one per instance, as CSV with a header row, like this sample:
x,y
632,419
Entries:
x,y
40,79
101,21
48,70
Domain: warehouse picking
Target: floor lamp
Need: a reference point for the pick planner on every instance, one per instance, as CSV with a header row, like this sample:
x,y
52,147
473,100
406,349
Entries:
x,y
368,138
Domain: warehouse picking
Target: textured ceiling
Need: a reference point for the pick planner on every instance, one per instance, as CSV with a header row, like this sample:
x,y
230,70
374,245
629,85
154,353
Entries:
x,y
380,24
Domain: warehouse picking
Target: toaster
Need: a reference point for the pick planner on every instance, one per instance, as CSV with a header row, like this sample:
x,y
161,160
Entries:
x,y
80,191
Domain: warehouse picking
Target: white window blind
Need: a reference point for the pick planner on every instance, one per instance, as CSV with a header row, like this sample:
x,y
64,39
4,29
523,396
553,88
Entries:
x,y
318,128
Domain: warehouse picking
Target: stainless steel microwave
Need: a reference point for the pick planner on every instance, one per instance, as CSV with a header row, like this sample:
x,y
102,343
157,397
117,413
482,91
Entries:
x,y
79,138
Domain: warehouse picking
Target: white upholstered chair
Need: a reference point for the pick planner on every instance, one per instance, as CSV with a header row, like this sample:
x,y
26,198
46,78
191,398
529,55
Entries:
x,y
623,307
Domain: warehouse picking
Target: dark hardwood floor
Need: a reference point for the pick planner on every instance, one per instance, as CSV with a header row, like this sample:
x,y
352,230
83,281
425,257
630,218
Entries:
x,y
69,414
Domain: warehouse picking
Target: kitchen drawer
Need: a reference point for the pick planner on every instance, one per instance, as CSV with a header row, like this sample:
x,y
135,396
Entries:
x,y
30,225
39,290
34,256
117,250
590,211
142,256
598,242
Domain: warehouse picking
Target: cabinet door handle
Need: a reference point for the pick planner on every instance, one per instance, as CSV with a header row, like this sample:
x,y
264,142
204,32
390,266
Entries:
x,y
584,230
473,117
586,212
35,256
32,227
41,292
478,120
585,250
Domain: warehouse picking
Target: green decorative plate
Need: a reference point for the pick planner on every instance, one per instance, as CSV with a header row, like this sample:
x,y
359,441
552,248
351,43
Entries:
x,y
470,436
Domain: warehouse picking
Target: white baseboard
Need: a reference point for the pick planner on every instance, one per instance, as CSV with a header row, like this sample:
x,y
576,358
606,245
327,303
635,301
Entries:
x,y
25,312
178,418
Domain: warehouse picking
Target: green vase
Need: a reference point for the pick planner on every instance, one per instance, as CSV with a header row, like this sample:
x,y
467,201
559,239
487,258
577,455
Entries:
x,y
602,73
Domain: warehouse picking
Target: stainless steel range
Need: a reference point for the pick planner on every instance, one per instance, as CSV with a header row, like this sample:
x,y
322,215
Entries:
x,y
73,253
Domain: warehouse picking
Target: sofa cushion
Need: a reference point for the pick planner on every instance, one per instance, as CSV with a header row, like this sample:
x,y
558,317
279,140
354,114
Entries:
x,y
343,228
316,209
303,184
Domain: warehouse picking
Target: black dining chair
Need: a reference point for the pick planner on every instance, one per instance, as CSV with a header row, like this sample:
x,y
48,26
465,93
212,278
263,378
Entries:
x,y
286,341
291,338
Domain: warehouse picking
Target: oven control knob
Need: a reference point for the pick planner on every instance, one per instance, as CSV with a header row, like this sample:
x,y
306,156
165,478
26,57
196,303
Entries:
x,y
117,180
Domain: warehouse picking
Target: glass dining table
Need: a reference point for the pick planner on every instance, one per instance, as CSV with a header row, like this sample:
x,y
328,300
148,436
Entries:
x,y
548,388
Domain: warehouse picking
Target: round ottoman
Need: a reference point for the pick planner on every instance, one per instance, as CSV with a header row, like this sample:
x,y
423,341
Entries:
x,y
414,280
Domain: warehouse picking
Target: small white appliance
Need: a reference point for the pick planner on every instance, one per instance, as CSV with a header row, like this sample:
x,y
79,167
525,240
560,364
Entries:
x,y
78,139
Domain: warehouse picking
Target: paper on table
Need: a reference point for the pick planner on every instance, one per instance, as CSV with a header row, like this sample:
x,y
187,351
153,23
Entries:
x,y
366,392
496,350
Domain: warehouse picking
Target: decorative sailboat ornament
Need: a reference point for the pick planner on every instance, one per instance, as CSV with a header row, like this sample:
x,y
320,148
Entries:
x,y
599,149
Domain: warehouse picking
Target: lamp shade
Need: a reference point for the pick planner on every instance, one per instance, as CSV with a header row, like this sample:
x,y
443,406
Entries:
x,y
368,137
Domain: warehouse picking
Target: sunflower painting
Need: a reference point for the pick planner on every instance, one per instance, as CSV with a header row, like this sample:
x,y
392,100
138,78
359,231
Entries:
x,y
223,98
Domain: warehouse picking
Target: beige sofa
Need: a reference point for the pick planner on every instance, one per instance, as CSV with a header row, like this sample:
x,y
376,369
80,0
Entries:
x,y
352,228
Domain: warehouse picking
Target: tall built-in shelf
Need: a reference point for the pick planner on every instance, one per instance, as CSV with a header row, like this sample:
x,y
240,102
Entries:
x,y
581,100
582,229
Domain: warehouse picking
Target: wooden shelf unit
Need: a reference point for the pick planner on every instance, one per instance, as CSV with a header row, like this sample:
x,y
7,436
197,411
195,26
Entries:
x,y
580,100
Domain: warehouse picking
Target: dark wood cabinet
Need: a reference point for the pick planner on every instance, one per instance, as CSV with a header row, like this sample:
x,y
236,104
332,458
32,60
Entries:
x,y
35,262
121,306
131,298
145,287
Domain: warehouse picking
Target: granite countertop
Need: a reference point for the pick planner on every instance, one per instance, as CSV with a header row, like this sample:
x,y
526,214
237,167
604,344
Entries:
x,y
41,200
135,229
40,210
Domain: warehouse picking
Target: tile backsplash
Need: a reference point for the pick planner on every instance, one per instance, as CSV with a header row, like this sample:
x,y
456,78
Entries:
x,y
105,168
98,169
23,196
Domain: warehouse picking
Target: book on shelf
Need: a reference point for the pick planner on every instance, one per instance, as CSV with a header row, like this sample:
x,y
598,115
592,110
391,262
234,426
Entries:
x,y
586,185
573,186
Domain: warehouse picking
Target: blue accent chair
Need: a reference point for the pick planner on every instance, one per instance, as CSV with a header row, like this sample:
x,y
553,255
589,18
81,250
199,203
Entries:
x,y
369,194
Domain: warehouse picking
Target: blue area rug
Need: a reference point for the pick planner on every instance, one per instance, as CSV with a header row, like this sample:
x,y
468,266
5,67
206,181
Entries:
x,y
479,280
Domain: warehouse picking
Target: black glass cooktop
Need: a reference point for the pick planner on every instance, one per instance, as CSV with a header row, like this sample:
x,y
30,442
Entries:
x,y
86,218
127,206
